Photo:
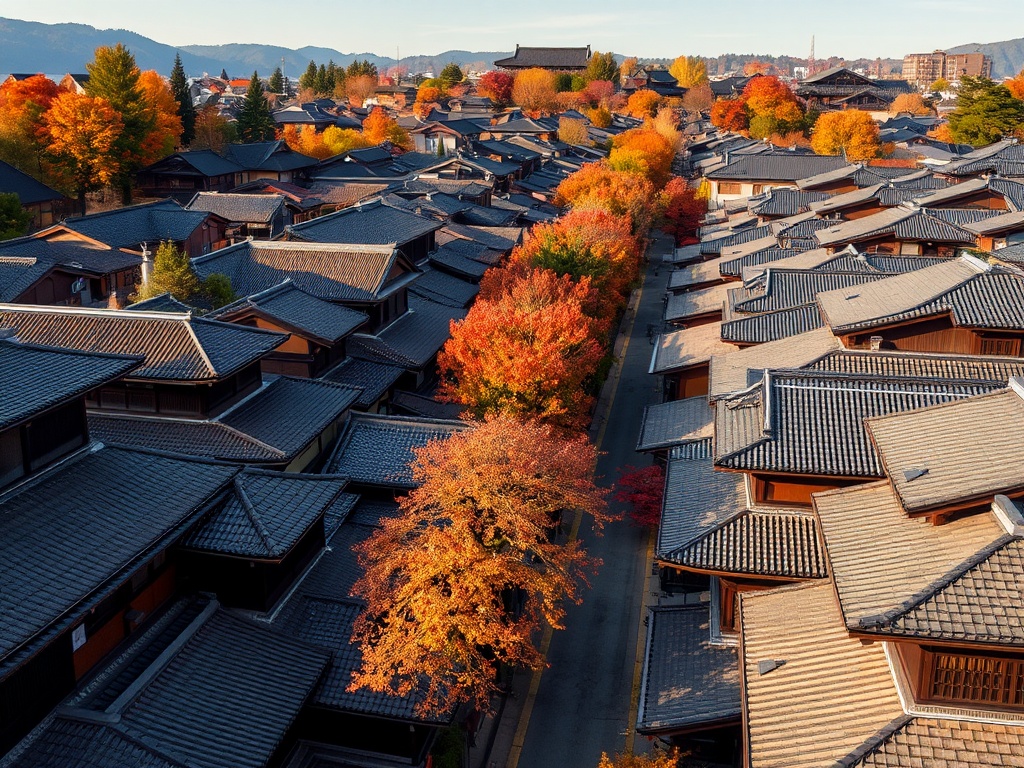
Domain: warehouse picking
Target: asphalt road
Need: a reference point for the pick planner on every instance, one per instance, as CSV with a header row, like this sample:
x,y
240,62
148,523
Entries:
x,y
584,700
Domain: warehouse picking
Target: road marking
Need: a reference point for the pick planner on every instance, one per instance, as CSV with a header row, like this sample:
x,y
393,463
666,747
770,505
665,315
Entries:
x,y
545,644
641,641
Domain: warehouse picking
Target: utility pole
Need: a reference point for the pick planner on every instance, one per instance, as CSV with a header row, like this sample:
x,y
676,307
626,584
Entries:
x,y
811,63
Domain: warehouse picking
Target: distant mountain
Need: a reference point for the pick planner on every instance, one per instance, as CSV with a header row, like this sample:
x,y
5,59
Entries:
x,y
1007,56
28,46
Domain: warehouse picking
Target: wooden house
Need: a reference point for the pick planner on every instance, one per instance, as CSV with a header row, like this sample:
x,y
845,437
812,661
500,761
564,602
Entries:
x,y
46,205
556,59
261,216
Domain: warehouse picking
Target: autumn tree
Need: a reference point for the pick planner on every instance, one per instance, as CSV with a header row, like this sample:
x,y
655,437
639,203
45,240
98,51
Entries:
x,y
358,88
683,210
699,99
986,112
213,131
462,579
534,90
639,761
599,117
573,131
171,273
497,86
306,140
622,194
82,137
167,125
731,115
597,92
255,123
22,135
627,67
526,352
186,110
642,491
912,103
757,67
851,132
689,71
379,127
341,140
771,106
601,66
645,151
114,76
14,219
939,86
643,103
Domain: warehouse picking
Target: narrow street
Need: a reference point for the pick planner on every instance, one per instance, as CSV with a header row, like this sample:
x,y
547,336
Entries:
x,y
584,703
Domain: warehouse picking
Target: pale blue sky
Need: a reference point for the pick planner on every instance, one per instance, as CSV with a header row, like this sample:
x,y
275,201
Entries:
x,y
654,28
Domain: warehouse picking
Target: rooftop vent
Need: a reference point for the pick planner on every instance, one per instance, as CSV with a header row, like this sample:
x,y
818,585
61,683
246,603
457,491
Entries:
x,y
852,296
910,475
769,665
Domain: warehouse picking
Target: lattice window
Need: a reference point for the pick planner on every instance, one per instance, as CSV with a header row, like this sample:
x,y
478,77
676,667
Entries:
x,y
977,679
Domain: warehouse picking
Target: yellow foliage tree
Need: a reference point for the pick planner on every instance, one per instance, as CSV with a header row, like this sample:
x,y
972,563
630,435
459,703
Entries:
x,y
643,103
599,116
83,132
912,103
341,140
639,761
851,131
689,71
534,90
573,131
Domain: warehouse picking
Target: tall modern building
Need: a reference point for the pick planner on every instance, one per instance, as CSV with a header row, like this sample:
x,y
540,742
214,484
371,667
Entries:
x,y
923,69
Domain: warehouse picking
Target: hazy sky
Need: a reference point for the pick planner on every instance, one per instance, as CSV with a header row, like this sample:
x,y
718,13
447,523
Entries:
x,y
653,28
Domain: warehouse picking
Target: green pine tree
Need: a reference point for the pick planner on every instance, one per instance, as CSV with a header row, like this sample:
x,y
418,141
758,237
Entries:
x,y
182,95
276,82
114,76
322,85
171,274
307,81
14,219
255,122
450,75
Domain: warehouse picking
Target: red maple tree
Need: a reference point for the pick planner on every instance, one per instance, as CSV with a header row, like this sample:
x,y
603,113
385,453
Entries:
x,y
643,490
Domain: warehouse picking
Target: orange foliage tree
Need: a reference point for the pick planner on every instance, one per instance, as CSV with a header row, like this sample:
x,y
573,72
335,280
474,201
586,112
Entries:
x,y
359,88
644,150
599,116
587,243
909,102
851,131
497,86
166,132
379,127
620,193
83,133
771,107
307,141
464,577
22,135
534,90
527,351
341,140
730,115
639,761
683,210
1016,85
643,103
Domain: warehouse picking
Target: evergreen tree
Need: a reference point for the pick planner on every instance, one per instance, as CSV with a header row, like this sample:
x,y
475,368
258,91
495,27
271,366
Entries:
x,y
307,81
171,274
255,122
114,76
601,66
986,112
224,75
14,219
450,75
182,95
322,85
364,67
276,82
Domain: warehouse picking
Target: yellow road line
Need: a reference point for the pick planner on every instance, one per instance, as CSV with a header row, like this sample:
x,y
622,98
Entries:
x,y
545,644
641,640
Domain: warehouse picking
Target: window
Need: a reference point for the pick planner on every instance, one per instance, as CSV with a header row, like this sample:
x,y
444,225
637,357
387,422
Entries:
x,y
729,188
1002,347
974,679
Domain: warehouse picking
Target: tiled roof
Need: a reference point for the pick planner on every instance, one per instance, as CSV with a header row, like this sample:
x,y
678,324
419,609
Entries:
x,y
257,209
298,311
25,260
420,405
378,450
333,272
918,365
955,443
904,222
495,238
784,202
130,227
371,223
728,239
695,274
738,370
812,259
687,347
176,347
137,501
806,422
34,378
897,575
164,302
686,681
239,685
1006,222
786,288
733,266
28,190
372,379
682,306
267,156
468,249
769,326
84,744
675,423
977,296
445,289
939,744
412,340
272,426
779,166
697,500
830,691
263,514
448,258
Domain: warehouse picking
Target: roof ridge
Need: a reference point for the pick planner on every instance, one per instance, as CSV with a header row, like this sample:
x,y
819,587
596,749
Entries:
x,y
199,344
251,513
873,742
936,586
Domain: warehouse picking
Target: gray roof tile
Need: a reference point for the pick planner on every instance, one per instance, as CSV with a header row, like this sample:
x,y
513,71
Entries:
x,y
253,209
371,223
674,423
413,339
130,227
373,379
